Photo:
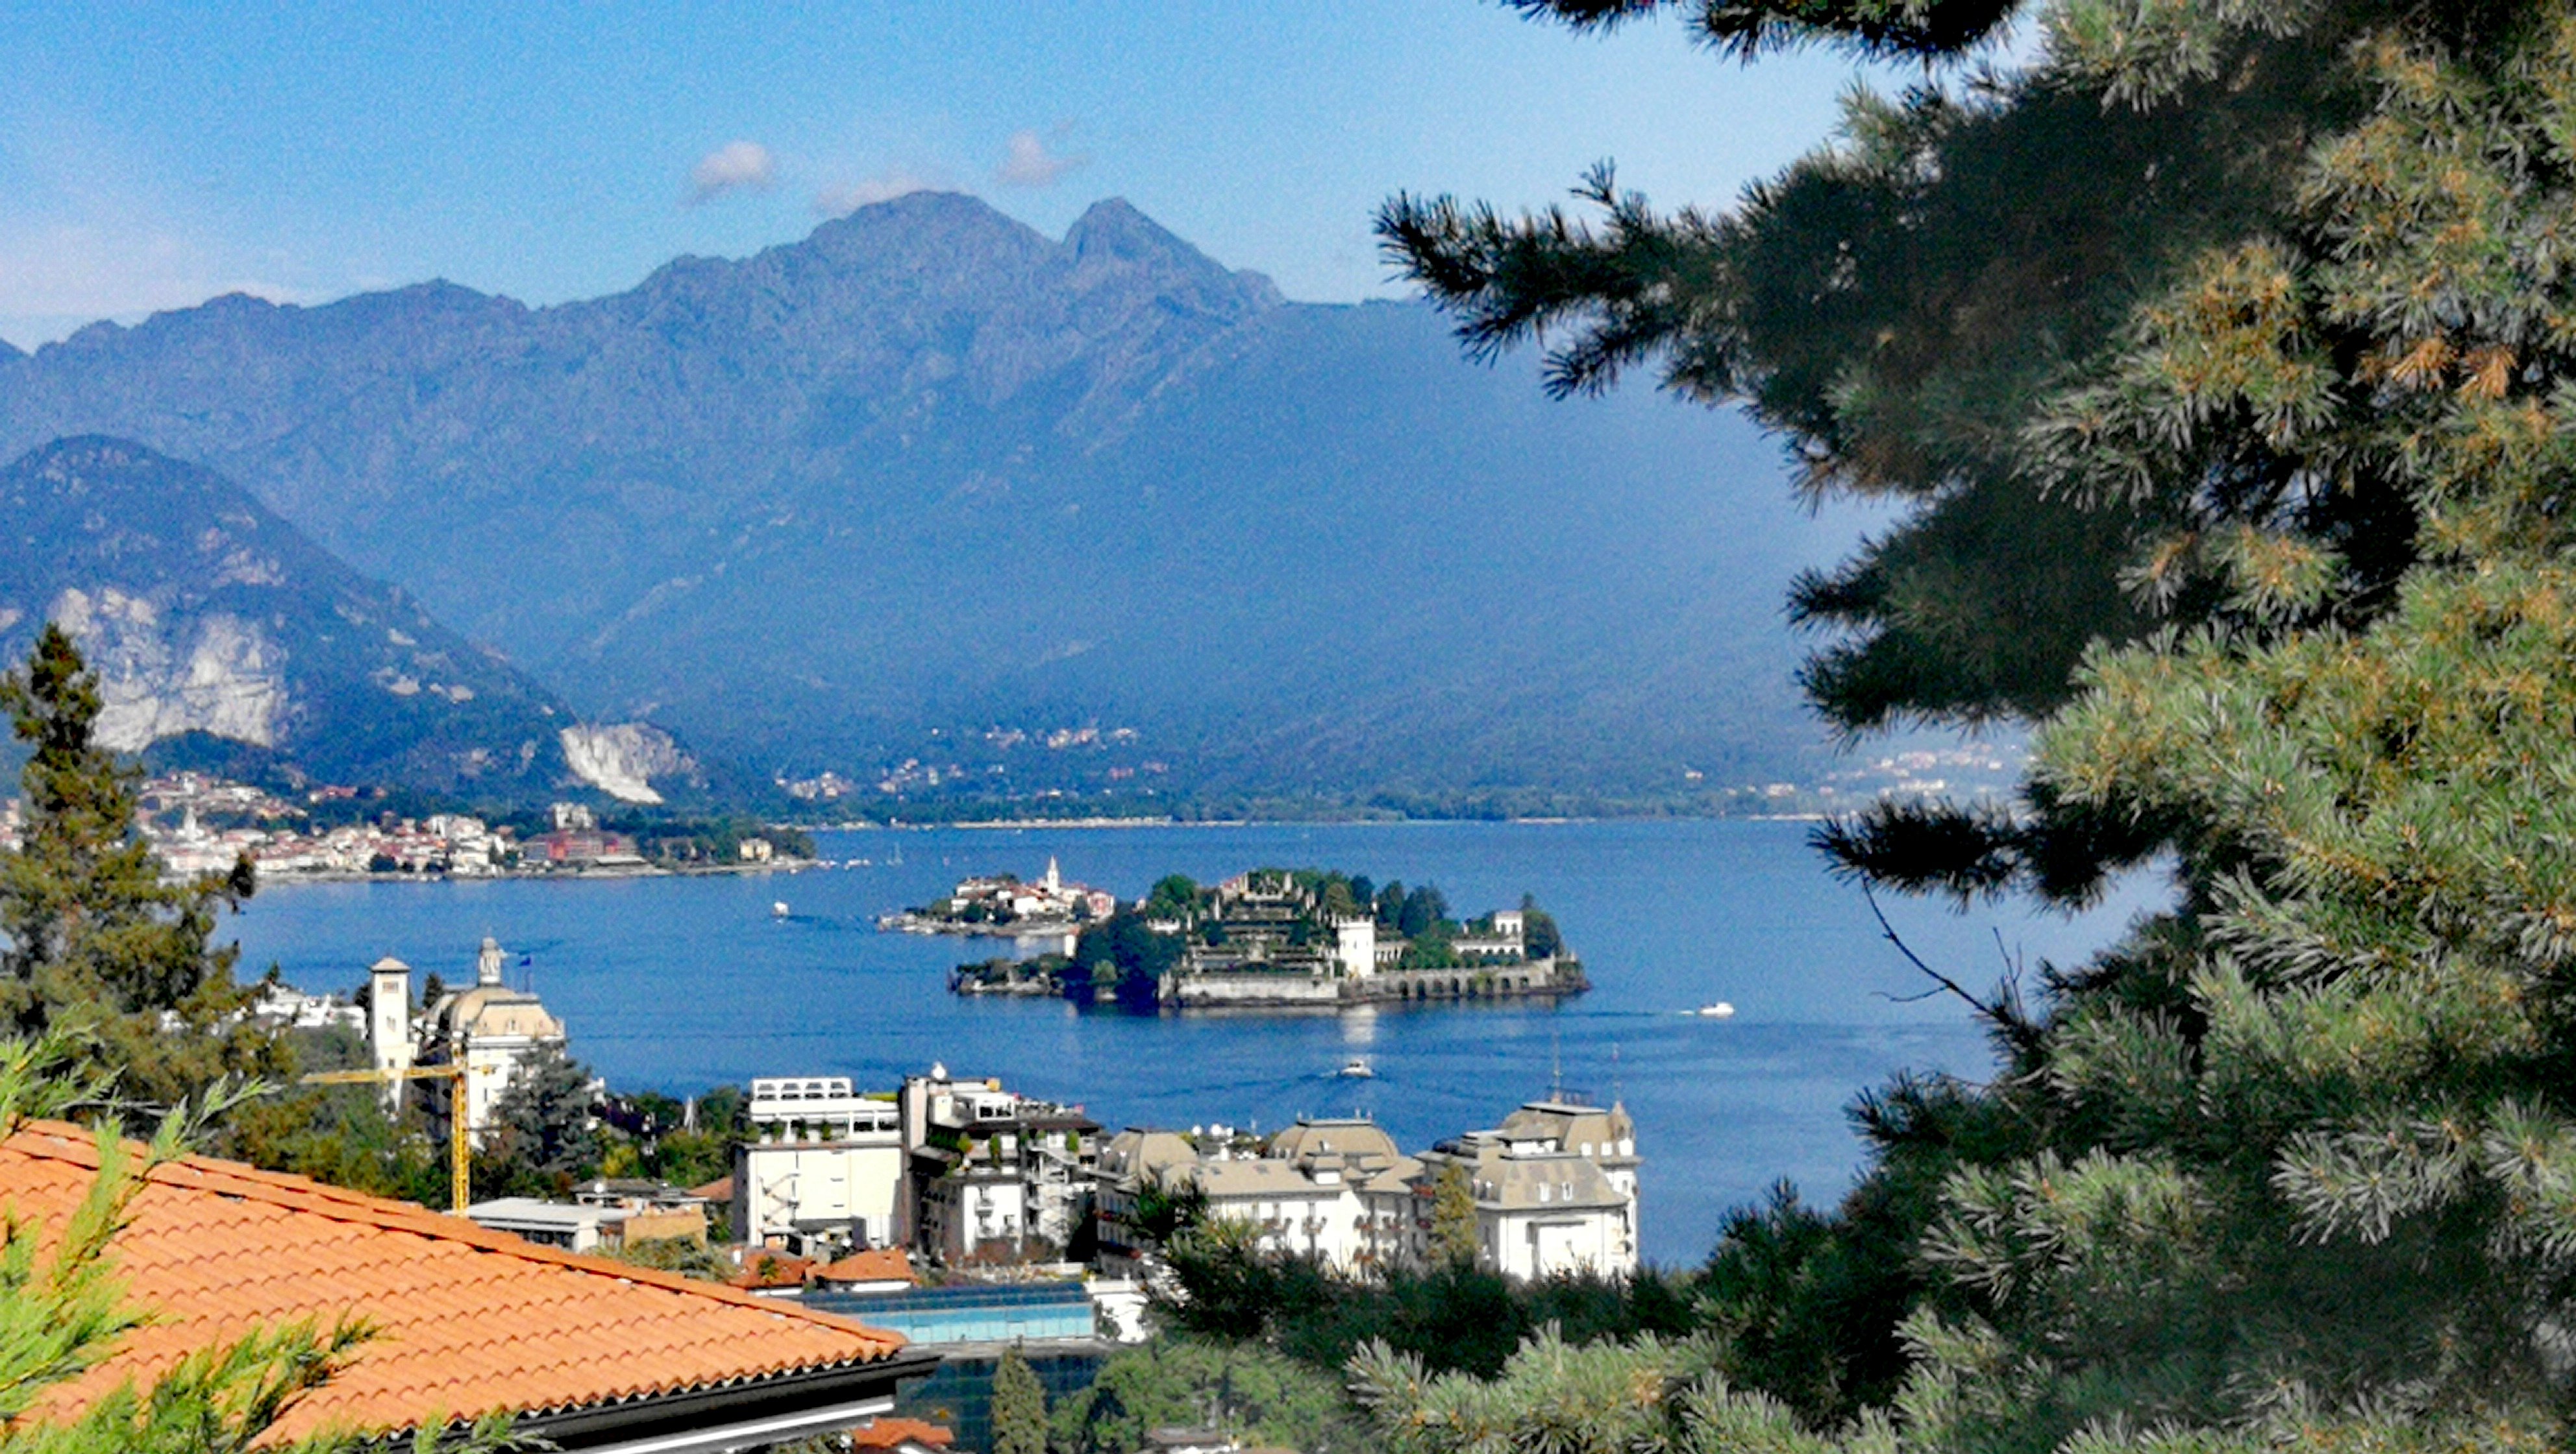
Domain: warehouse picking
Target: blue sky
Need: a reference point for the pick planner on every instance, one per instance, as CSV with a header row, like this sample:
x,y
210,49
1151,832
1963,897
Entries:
x,y
153,157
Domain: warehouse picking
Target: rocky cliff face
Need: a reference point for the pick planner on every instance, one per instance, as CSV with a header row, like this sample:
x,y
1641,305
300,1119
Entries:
x,y
213,672
203,613
929,476
622,759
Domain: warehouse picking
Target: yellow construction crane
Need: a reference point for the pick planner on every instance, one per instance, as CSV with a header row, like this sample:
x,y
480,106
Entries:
x,y
460,1146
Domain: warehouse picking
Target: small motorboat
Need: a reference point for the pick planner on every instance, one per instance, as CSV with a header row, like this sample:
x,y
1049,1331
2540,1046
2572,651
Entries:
x,y
1715,1010
1355,1068
778,909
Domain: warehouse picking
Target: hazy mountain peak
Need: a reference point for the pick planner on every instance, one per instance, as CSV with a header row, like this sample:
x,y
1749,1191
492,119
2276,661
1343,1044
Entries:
x,y
916,220
928,466
1113,225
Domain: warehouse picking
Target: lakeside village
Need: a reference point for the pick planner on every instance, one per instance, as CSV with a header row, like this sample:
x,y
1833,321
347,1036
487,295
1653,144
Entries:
x,y
970,1216
1271,937
198,823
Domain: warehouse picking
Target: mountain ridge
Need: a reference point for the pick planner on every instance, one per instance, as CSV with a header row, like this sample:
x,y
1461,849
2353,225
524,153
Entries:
x,y
205,614
927,475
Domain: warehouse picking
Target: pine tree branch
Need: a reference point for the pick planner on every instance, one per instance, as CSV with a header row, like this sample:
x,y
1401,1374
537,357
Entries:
x,y
2004,1014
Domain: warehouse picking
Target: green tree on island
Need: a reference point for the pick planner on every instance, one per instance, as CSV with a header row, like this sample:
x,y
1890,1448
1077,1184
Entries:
x,y
2224,358
93,941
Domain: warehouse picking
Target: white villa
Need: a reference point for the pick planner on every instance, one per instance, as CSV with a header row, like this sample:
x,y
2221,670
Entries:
x,y
1555,1190
490,1028
824,1165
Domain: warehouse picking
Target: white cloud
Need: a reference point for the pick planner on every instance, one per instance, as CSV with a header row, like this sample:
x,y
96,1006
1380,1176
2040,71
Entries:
x,y
842,199
736,166
1028,163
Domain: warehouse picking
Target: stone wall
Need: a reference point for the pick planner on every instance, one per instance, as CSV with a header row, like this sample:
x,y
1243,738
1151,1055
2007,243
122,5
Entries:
x,y
1546,978
1252,989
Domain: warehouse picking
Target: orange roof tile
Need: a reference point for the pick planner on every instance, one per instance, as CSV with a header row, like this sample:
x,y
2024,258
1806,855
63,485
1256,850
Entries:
x,y
767,1267
467,1321
894,1433
879,1264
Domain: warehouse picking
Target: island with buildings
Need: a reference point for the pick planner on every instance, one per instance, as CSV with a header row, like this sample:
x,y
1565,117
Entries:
x,y
1275,937
1004,905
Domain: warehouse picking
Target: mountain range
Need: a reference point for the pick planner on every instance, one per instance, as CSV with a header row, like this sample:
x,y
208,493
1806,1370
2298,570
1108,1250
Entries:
x,y
215,625
930,493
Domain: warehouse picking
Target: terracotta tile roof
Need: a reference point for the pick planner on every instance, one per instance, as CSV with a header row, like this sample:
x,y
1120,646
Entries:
x,y
895,1433
466,1321
762,1267
718,1190
881,1264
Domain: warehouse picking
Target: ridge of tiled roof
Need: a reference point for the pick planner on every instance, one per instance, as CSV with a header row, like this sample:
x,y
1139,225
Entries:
x,y
875,1264
894,1433
467,1321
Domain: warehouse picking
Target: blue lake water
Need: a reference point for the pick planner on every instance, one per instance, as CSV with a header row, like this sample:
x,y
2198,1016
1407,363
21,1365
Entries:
x,y
683,983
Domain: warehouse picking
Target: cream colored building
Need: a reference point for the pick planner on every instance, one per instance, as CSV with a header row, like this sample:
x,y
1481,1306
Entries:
x,y
493,1029
1332,1189
1555,1188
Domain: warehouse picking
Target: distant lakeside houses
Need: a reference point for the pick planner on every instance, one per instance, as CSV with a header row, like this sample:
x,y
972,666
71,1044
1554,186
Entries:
x,y
1048,907
199,823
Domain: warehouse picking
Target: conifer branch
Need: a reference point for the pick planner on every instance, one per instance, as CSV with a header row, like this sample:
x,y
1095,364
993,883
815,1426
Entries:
x,y
2004,1013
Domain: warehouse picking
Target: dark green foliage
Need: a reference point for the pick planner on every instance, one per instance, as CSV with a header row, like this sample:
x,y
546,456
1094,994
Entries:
x,y
1019,1407
2223,357
1895,306
1124,957
340,1135
1880,29
1174,896
1454,1316
1179,1382
544,1135
649,1134
685,1256
1540,939
92,942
